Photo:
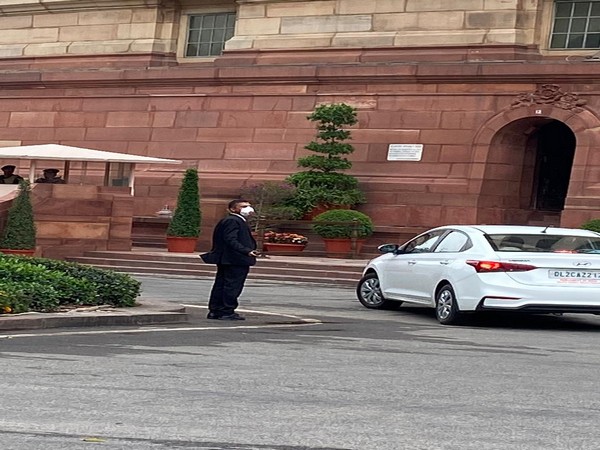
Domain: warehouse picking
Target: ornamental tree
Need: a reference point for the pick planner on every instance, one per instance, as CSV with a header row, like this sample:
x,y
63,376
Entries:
x,y
187,217
20,231
322,184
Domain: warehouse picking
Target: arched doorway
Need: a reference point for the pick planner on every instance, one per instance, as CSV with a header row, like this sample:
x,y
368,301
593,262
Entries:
x,y
554,161
527,172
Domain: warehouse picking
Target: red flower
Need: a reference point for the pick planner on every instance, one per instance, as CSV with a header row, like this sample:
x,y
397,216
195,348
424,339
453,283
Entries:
x,y
284,238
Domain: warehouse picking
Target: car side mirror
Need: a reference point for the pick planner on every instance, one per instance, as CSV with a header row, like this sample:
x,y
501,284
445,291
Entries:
x,y
388,248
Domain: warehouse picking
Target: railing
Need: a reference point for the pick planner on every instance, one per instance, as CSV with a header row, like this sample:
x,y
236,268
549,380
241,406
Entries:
x,y
263,225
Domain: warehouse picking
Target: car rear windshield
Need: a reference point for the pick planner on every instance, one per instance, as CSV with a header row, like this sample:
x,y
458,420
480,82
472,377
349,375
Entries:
x,y
545,243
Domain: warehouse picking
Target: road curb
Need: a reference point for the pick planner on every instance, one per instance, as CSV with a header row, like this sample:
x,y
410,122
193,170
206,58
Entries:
x,y
156,313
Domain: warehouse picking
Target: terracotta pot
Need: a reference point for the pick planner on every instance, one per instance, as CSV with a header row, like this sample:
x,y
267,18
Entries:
x,y
321,209
273,247
341,248
177,244
9,251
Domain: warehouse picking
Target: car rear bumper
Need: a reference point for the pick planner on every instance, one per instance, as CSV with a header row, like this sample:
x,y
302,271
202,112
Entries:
x,y
550,302
542,308
499,292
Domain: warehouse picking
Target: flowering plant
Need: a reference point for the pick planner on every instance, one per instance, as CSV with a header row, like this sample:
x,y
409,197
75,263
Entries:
x,y
284,238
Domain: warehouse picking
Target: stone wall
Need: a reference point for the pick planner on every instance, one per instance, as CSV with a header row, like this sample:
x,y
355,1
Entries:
x,y
71,219
41,28
270,24
237,125
37,28
242,117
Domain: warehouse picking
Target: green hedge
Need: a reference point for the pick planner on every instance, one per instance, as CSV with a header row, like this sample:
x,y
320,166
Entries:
x,y
38,284
13,297
355,222
592,225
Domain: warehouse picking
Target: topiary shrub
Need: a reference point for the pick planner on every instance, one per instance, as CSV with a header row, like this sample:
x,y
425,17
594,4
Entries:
x,y
592,225
330,189
19,232
187,217
356,223
323,184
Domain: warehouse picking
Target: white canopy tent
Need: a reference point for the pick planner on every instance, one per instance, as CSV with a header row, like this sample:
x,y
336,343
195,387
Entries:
x,y
54,152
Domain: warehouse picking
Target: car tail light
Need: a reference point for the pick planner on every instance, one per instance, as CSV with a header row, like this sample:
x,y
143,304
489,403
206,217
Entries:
x,y
497,266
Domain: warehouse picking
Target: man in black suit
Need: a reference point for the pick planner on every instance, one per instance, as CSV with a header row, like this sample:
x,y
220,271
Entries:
x,y
234,251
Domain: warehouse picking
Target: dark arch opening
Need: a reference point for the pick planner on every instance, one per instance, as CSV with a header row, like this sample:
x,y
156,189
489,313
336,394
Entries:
x,y
527,172
554,160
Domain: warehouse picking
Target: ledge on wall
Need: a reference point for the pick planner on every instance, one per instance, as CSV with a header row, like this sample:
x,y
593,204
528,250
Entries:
x,y
13,7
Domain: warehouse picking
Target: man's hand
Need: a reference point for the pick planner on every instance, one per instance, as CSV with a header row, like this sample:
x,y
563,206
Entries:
x,y
254,253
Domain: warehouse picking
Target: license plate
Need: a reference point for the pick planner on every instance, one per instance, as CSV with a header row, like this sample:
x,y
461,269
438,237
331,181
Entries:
x,y
575,276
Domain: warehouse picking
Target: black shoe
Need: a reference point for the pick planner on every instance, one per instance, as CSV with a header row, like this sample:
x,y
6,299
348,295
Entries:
x,y
214,316
233,316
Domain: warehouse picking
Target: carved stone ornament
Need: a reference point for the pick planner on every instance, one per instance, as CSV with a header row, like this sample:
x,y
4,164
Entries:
x,y
550,94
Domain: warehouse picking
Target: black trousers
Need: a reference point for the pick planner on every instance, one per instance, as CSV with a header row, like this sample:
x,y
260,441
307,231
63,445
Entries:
x,y
228,286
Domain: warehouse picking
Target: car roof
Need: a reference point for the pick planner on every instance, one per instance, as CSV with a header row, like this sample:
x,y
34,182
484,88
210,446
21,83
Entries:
x,y
522,229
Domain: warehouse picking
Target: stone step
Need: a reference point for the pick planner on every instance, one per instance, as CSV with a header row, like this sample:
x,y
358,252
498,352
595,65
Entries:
x,y
275,268
148,242
289,276
198,266
193,258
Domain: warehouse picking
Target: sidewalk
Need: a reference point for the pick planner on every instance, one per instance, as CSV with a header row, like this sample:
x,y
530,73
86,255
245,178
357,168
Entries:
x,y
149,311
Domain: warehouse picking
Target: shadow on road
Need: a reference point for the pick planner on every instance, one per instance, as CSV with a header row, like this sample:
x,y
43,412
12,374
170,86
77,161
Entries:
x,y
566,322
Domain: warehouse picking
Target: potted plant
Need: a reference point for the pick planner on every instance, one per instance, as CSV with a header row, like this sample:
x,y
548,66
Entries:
x,y
283,242
20,232
341,229
323,187
184,228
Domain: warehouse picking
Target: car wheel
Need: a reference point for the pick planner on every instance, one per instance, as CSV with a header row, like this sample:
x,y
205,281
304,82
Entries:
x,y
446,307
369,294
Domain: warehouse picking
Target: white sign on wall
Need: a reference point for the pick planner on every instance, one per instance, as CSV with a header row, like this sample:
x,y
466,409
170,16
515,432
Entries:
x,y
405,152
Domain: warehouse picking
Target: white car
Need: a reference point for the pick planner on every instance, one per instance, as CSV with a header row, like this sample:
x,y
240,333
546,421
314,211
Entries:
x,y
469,268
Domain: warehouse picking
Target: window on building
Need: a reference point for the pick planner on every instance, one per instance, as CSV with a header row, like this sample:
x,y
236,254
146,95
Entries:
x,y
576,24
207,33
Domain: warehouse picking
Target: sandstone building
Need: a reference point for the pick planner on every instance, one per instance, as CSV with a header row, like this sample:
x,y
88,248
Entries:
x,y
470,111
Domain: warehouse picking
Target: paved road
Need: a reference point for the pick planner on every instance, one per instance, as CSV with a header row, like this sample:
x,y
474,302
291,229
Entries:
x,y
359,380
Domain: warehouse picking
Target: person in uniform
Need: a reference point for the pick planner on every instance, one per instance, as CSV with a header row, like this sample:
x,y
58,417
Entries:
x,y
8,175
50,176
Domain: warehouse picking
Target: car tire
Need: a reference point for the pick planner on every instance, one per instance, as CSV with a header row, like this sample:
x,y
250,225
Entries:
x,y
446,306
369,294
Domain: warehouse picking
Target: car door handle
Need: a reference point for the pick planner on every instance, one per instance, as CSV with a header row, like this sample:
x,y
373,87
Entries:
x,y
412,262
445,263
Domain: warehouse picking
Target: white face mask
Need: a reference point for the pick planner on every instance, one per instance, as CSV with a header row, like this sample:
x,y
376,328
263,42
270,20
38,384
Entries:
x,y
246,211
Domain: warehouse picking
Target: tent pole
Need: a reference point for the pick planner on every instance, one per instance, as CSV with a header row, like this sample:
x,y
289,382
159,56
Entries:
x,y
66,171
83,171
131,179
107,174
32,171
